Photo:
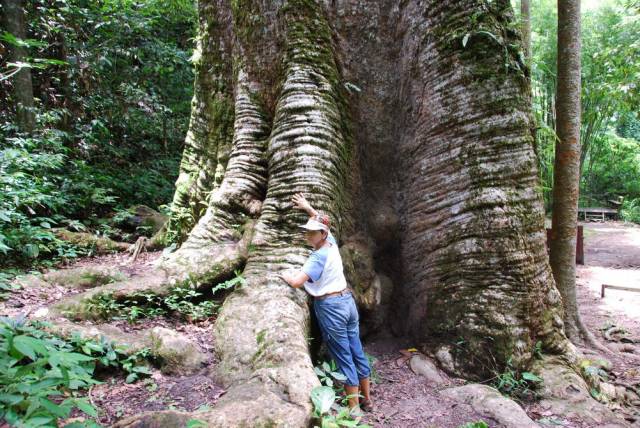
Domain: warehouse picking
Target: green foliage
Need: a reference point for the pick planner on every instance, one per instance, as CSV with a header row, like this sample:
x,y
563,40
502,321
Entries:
x,y
609,99
38,195
195,423
516,384
537,350
477,424
631,211
112,83
327,411
613,168
322,398
6,282
184,302
41,376
327,372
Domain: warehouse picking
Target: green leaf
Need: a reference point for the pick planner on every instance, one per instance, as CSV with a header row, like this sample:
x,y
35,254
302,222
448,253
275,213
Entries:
x,y
40,421
11,399
347,423
84,405
530,377
195,423
45,383
31,250
55,409
29,346
322,398
25,43
142,369
339,376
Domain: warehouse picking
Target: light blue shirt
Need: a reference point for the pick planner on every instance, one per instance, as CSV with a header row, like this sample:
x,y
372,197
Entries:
x,y
324,268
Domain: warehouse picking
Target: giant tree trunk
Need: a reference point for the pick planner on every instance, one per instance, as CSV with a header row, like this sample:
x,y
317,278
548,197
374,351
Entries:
x,y
13,22
409,124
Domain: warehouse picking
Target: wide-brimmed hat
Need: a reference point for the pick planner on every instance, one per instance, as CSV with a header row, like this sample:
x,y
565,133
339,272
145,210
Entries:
x,y
317,223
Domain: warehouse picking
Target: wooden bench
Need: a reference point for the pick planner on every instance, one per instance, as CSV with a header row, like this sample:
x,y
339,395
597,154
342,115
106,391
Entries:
x,y
597,213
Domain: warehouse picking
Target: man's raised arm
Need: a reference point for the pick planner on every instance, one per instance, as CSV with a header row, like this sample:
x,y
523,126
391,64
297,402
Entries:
x,y
302,203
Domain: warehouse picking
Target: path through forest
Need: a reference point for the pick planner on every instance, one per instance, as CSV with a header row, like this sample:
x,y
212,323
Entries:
x,y
403,398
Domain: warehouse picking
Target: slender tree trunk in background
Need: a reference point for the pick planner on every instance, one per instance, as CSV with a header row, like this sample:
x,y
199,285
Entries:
x,y
65,82
566,177
14,23
525,17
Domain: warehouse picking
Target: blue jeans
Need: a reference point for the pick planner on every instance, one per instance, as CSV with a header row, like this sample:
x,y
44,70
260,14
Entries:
x,y
338,320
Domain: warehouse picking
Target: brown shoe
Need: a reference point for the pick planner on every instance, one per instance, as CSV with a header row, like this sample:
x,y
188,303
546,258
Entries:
x,y
367,405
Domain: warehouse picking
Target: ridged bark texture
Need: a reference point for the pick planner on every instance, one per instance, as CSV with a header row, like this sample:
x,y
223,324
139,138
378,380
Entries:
x,y
478,285
210,130
261,335
525,19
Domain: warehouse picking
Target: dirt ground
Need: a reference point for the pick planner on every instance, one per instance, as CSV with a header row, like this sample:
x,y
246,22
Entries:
x,y
403,399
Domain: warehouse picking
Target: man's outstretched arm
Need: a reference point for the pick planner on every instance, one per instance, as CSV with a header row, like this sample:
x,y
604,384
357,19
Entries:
x,y
301,202
295,279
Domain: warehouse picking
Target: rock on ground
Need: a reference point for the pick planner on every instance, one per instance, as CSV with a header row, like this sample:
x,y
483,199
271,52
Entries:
x,y
424,366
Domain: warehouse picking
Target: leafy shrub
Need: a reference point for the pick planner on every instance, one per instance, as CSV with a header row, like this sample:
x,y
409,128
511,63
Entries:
x,y
327,372
630,211
108,135
516,384
327,411
37,194
181,301
41,375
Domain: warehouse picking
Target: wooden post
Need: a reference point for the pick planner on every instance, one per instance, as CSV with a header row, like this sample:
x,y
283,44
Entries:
x,y
617,287
579,246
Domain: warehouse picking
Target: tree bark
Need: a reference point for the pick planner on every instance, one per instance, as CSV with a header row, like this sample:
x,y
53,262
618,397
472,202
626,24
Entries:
x,y
566,177
13,22
477,286
208,140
